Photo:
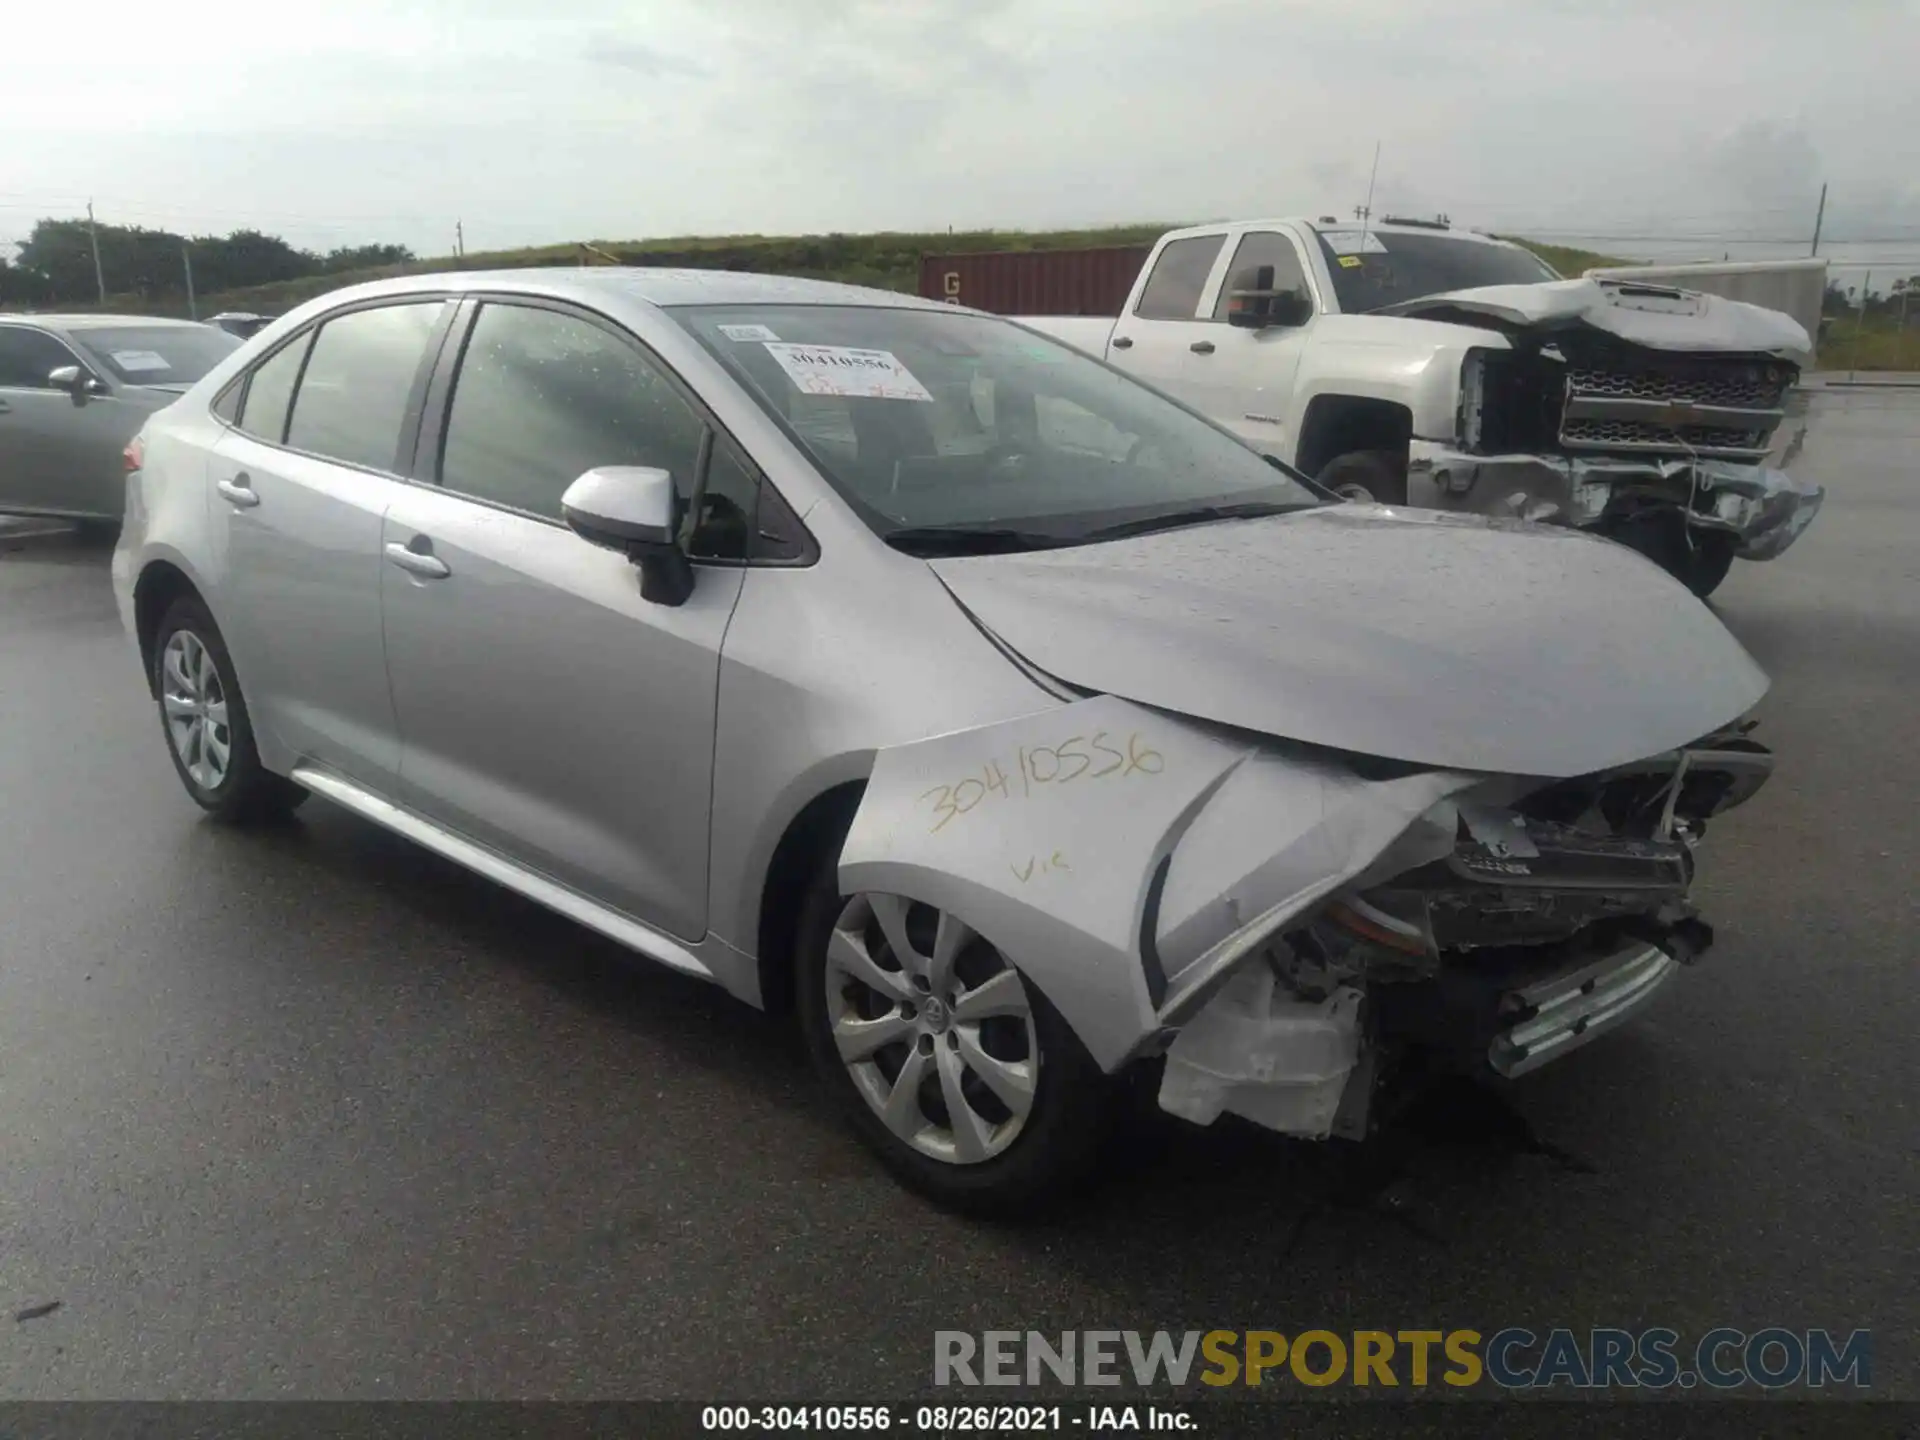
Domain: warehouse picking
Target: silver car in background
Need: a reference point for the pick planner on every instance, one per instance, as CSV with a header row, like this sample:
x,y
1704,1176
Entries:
x,y
74,389
906,668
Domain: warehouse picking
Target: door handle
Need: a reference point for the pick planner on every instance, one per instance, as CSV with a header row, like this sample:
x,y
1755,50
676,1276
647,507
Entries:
x,y
426,565
1121,342
1201,347
240,491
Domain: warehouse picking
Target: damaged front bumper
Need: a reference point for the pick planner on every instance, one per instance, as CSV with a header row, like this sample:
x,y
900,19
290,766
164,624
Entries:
x,y
1763,508
1163,883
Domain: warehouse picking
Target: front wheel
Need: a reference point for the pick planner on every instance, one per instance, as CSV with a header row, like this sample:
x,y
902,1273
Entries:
x,y
953,1069
1698,559
1375,477
209,733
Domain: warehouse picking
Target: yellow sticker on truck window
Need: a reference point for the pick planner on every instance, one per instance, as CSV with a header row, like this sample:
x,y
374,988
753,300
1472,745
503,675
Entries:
x,y
1349,262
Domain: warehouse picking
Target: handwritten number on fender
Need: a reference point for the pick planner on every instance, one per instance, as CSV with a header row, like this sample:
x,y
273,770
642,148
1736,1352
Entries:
x,y
1072,759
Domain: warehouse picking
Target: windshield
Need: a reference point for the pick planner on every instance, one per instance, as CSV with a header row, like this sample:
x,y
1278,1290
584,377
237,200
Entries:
x,y
926,419
157,354
1382,270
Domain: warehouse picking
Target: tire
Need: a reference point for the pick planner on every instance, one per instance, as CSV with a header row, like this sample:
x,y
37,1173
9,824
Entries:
x,y
1699,561
1374,476
195,686
1026,1165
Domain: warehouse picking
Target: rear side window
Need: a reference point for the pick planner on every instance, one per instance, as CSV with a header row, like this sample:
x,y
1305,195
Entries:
x,y
353,395
1258,248
1179,276
27,357
264,410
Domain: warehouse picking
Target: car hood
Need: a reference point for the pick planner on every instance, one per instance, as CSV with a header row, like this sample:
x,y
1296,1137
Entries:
x,y
1441,640
1657,316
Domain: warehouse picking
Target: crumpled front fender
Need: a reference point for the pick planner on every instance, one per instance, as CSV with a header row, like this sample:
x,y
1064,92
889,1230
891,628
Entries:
x,y
1124,860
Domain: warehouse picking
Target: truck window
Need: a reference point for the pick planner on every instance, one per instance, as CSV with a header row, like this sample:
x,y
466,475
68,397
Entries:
x,y
1173,289
1257,248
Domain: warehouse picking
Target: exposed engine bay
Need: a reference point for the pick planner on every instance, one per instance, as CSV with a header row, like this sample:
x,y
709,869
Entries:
x,y
1380,909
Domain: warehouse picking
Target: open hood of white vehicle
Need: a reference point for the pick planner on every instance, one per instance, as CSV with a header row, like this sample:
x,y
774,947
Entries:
x,y
1441,640
1657,316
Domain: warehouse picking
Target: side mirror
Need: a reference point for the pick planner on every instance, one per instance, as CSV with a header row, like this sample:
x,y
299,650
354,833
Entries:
x,y
630,508
1261,307
76,382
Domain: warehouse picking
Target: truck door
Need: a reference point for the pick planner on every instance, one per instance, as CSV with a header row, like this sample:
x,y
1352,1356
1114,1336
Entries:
x,y
1243,378
1157,338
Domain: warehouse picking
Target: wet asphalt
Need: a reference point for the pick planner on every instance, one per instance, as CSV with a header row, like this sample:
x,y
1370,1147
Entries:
x,y
309,1113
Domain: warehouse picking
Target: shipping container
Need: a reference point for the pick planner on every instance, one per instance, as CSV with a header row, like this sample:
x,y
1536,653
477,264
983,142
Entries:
x,y
1035,282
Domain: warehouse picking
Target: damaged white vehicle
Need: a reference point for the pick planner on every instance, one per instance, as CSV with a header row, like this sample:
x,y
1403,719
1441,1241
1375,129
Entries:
x,y
1413,364
1014,724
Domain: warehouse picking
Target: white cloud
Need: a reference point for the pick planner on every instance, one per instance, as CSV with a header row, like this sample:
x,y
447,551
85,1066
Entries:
x,y
535,121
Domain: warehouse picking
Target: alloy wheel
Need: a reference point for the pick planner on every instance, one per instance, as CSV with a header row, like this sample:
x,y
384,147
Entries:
x,y
196,709
934,1026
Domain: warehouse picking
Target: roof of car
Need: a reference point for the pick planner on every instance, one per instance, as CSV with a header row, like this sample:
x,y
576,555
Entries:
x,y
659,286
90,321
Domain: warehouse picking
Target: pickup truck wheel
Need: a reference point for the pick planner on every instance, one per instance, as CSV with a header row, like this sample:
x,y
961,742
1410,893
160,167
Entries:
x,y
957,1073
1371,476
1699,561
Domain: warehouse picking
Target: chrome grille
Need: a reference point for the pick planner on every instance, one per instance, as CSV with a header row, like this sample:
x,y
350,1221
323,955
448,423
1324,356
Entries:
x,y
1640,433
1745,387
1686,405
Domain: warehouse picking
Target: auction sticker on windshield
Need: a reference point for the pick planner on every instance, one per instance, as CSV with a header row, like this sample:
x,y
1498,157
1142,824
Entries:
x,y
843,370
747,332
1353,242
138,360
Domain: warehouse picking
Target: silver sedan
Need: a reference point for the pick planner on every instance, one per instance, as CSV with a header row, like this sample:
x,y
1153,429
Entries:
x,y
74,389
897,665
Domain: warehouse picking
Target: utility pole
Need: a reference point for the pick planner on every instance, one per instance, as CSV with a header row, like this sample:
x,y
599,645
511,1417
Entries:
x,y
99,276
186,260
1818,216
459,241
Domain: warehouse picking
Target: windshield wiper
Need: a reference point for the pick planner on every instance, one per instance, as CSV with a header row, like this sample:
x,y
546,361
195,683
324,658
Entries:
x,y
1199,515
968,540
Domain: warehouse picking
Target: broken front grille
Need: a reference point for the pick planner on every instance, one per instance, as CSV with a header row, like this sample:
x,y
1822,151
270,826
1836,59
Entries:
x,y
1684,406
1641,434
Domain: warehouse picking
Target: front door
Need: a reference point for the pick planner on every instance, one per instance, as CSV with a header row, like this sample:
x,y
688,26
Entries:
x,y
298,494
547,710
1244,378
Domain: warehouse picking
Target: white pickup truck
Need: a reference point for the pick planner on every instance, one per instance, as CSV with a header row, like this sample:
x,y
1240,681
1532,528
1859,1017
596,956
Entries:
x,y
1409,363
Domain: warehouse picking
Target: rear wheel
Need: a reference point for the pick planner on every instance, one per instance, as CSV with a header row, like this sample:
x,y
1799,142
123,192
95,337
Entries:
x,y
1376,477
209,734
951,1067
1698,559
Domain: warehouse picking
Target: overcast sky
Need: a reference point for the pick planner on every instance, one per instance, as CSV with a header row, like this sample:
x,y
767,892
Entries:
x,y
552,120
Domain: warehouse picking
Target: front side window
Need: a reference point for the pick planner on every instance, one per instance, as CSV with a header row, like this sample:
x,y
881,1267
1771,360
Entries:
x,y
542,397
263,410
926,418
1258,248
27,357
1179,278
157,354
352,400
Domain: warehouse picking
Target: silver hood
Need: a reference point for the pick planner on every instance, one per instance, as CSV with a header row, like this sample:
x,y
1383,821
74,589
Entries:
x,y
1443,640
1657,316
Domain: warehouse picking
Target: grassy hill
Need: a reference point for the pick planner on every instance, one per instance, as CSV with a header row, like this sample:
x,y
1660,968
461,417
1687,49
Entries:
x,y
888,260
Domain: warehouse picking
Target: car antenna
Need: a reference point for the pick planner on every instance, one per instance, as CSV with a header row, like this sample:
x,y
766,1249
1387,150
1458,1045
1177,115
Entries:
x,y
1366,210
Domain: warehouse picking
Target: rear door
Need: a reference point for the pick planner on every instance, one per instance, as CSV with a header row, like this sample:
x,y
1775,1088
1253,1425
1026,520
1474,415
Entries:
x,y
300,487
58,456
1159,337
547,710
